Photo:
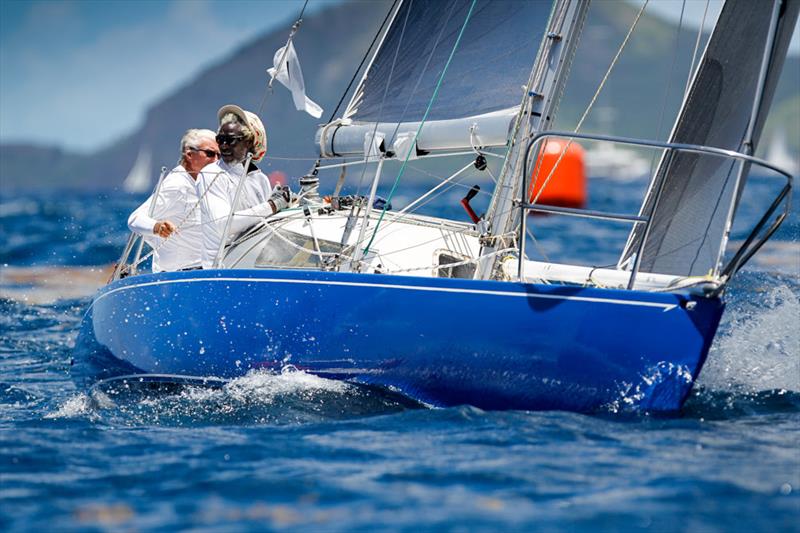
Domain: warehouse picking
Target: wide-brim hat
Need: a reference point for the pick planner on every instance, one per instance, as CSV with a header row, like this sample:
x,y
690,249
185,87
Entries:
x,y
254,123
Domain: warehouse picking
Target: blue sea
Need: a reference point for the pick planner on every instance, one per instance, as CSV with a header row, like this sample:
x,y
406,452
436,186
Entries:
x,y
294,452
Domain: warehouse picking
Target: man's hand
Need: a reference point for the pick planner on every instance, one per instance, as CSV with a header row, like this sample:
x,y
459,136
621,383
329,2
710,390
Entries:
x,y
164,228
279,200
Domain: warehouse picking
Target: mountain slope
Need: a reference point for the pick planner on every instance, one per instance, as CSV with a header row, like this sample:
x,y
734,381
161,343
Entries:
x,y
330,45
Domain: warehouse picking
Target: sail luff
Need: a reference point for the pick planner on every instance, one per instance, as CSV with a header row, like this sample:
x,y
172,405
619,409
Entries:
x,y
747,145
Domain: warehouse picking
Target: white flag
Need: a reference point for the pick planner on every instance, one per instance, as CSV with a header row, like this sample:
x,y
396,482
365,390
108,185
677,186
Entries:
x,y
290,75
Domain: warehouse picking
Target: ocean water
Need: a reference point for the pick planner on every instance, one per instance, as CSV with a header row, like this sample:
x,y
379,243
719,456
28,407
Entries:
x,y
293,452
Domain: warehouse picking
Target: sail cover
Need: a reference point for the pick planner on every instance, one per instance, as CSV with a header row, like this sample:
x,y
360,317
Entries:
x,y
487,73
689,221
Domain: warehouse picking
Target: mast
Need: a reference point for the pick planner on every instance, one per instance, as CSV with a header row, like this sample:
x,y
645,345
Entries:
x,y
539,105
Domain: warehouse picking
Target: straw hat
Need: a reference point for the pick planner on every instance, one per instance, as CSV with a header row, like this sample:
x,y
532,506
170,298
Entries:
x,y
255,125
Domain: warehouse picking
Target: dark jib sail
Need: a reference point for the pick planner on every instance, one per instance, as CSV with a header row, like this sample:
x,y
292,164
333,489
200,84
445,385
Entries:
x,y
485,76
689,222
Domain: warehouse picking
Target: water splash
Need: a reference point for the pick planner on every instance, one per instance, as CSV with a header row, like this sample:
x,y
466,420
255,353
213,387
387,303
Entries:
x,y
79,406
759,347
260,397
663,384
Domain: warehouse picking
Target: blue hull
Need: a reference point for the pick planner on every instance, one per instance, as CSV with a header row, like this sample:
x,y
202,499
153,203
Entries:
x,y
494,345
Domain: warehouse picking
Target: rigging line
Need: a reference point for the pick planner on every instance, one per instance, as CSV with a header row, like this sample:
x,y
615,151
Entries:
x,y
594,99
421,124
696,48
539,248
446,265
287,158
363,59
670,76
428,197
455,183
418,201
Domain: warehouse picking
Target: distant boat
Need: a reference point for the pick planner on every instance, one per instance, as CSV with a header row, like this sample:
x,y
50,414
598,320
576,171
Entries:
x,y
139,178
778,153
609,161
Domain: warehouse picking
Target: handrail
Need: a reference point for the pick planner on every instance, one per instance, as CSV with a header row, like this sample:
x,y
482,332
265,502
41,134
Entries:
x,y
743,253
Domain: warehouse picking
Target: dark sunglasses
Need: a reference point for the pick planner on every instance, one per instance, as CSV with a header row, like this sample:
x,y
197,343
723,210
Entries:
x,y
209,153
230,140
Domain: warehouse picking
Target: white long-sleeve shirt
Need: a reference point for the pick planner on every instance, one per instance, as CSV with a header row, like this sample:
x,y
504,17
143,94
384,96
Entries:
x,y
176,202
216,185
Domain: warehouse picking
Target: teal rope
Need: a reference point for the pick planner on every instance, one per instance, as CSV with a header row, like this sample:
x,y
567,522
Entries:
x,y
424,118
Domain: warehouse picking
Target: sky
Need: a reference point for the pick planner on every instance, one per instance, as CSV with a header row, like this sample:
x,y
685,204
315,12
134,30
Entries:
x,y
81,73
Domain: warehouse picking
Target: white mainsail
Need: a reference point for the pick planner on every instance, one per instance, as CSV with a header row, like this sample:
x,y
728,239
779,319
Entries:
x,y
139,178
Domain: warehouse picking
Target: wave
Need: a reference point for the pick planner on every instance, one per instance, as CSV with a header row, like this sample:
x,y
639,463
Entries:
x,y
758,347
260,397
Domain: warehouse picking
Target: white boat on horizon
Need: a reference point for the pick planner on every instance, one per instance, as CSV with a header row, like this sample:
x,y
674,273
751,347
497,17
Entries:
x,y
140,177
607,160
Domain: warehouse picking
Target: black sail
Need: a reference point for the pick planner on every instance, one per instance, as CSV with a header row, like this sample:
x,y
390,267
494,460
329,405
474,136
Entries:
x,y
492,62
481,88
689,222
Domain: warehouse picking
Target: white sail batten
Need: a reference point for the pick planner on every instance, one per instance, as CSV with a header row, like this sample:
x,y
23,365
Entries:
x,y
475,102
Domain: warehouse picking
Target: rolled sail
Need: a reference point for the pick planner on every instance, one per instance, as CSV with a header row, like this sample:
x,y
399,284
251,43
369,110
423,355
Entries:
x,y
478,96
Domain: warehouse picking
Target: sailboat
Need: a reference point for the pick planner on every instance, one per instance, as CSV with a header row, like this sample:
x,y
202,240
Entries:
x,y
609,160
451,312
139,178
780,155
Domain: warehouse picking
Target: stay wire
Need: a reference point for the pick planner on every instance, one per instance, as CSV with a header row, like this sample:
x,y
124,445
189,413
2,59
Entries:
x,y
671,75
696,48
383,99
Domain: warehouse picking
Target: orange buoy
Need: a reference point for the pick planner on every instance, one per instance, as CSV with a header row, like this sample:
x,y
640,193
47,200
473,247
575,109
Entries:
x,y
567,186
276,177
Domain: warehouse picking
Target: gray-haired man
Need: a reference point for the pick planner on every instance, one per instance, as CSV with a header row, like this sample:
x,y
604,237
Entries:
x,y
176,206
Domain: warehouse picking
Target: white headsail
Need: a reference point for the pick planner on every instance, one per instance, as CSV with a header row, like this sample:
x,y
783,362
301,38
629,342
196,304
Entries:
x,y
139,178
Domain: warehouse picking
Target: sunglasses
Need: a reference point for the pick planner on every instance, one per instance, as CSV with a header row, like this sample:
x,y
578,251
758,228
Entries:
x,y
230,140
209,153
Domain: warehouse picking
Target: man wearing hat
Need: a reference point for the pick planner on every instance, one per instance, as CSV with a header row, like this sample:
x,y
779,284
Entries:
x,y
240,133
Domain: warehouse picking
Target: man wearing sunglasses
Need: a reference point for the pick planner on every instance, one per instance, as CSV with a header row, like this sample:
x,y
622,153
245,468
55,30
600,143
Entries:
x,y
176,206
240,133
